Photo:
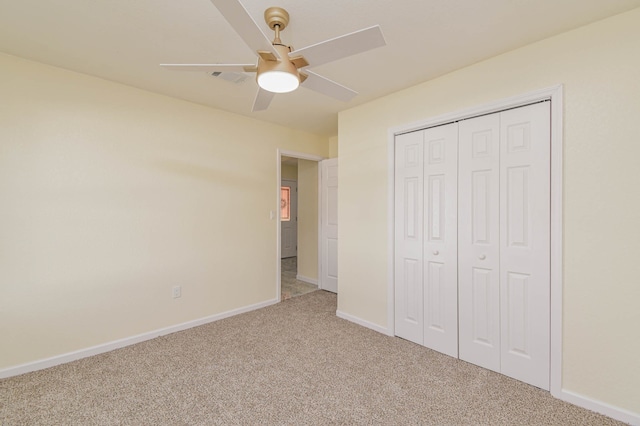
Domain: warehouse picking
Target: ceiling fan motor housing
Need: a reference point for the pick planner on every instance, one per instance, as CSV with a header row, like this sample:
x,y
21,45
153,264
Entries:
x,y
278,66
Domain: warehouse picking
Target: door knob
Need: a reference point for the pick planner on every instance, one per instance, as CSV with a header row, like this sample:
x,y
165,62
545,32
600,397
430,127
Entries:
x,y
436,252
482,257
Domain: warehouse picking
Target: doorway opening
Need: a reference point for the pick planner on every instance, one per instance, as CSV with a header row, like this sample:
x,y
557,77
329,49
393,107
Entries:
x,y
298,224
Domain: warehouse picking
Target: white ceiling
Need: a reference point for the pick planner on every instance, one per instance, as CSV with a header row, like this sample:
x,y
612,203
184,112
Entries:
x,y
125,40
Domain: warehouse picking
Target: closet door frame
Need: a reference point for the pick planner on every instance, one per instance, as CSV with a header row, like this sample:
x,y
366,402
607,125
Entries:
x,y
555,95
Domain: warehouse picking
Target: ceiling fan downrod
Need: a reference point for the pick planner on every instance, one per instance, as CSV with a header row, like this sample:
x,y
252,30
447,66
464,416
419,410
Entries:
x,y
277,19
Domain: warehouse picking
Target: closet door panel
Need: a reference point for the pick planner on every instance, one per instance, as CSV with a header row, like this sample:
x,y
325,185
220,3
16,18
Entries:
x,y
478,242
409,230
525,243
440,239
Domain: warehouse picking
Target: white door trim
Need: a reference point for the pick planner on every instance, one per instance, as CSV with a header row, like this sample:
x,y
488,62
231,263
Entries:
x,y
301,156
554,94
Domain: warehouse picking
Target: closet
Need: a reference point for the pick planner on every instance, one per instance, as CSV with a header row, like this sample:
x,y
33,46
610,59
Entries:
x,y
472,240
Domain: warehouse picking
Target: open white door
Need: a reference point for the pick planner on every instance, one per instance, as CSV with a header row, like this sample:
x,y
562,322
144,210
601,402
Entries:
x,y
289,218
329,225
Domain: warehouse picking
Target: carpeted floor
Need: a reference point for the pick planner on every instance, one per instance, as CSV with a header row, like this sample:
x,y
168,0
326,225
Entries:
x,y
292,363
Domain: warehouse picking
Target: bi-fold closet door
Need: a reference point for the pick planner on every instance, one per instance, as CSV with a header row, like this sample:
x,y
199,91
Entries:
x,y
425,238
472,240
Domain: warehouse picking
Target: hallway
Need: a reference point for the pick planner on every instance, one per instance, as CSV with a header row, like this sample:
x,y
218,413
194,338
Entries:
x,y
290,286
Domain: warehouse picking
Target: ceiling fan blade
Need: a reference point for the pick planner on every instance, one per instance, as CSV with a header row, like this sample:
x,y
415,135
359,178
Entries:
x,y
238,17
263,99
341,47
211,67
327,87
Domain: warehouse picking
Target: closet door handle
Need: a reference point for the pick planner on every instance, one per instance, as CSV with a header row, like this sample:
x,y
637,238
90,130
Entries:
x,y
436,252
482,257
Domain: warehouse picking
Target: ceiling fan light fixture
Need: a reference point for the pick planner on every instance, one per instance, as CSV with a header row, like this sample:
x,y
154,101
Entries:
x,y
278,81
279,76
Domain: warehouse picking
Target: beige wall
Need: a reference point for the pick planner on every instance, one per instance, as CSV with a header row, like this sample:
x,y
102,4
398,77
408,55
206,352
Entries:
x,y
333,147
111,195
289,171
308,219
599,66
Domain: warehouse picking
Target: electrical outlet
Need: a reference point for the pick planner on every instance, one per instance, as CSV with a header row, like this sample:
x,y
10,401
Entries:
x,y
176,291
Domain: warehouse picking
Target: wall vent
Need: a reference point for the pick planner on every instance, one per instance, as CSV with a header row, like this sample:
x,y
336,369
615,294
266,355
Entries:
x,y
233,77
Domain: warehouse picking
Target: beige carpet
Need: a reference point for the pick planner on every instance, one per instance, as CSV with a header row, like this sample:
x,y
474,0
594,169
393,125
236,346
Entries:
x,y
292,363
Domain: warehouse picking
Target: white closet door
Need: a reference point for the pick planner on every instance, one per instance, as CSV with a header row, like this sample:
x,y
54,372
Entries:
x,y
525,243
479,239
409,236
440,281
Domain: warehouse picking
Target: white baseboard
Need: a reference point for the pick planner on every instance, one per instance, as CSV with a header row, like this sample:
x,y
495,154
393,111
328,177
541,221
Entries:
x,y
364,323
313,281
127,341
599,407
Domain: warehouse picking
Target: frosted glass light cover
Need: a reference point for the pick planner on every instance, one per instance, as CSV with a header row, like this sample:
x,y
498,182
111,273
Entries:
x,y
278,81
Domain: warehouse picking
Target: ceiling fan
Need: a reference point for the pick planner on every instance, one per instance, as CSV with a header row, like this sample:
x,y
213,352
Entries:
x,y
281,69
